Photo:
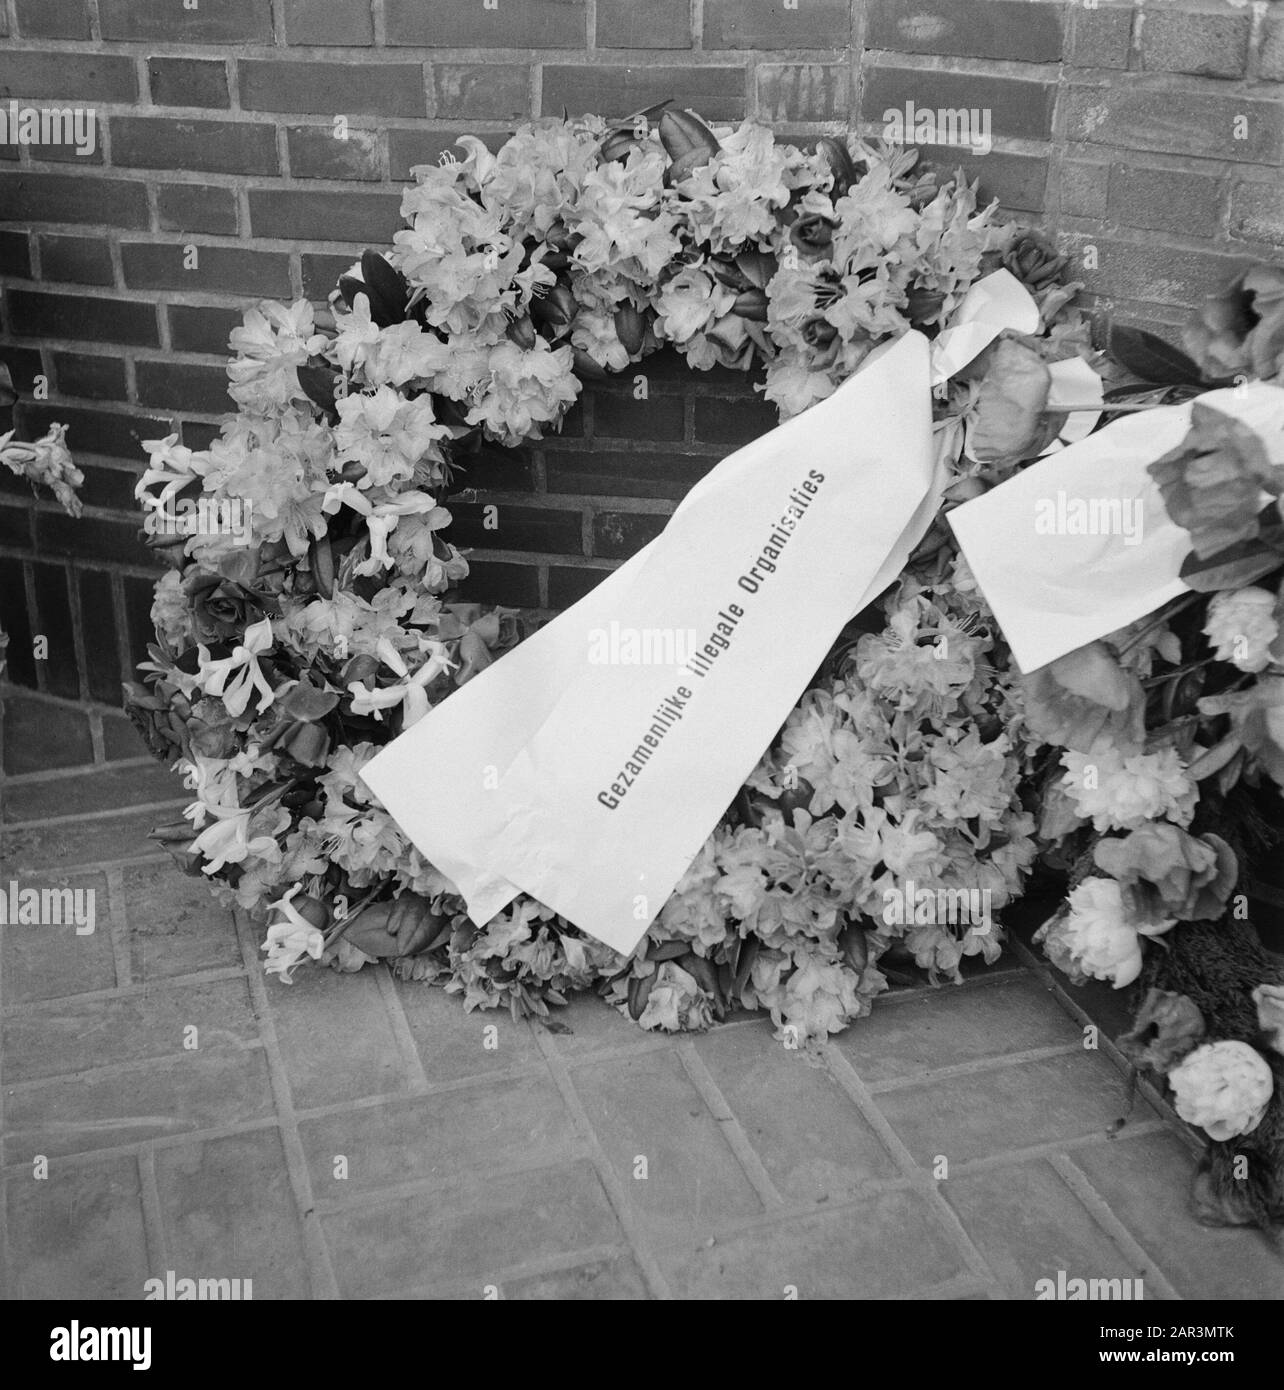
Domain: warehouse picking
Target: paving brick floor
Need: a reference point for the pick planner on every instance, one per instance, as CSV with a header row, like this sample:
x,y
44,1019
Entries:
x,y
350,1136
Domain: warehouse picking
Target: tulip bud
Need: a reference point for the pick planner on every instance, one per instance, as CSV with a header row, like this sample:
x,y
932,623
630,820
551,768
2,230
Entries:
x,y
322,563
586,367
617,145
176,840
689,143
163,540
854,945
522,332
630,328
839,159
752,304
639,992
555,309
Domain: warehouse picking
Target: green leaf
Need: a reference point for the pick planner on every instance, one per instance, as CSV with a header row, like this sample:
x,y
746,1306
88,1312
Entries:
x,y
748,954
318,384
386,288
308,702
1243,563
1149,357
839,159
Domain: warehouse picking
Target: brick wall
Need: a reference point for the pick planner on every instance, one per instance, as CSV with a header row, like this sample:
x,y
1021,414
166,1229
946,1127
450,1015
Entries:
x,y
1149,137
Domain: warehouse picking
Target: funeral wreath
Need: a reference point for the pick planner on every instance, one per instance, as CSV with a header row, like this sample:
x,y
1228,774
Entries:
x,y
923,780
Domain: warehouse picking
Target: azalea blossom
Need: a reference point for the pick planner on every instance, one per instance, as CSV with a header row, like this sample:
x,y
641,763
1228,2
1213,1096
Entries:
x,y
272,343
387,434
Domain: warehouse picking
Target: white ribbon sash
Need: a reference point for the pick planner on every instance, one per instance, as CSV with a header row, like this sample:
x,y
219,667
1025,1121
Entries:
x,y
506,786
1055,585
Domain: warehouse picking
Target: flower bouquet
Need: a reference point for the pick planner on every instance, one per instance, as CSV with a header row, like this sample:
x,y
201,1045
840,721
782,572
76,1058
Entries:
x,y
1159,790
915,784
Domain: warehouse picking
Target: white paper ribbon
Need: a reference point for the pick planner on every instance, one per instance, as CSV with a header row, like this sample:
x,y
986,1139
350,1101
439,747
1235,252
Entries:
x,y
1054,587
997,302
500,785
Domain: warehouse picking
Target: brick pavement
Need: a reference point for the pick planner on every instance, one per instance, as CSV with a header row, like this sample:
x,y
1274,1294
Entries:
x,y
350,1136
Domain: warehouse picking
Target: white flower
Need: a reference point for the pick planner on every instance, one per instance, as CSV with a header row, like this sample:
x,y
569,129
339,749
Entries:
x,y
676,1002
227,840
170,614
1241,625
526,389
820,998
271,344
1223,1087
388,434
1097,934
793,386
689,303
47,461
289,941
1120,793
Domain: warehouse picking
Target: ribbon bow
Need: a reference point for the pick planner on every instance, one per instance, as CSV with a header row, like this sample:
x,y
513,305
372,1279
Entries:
x,y
236,677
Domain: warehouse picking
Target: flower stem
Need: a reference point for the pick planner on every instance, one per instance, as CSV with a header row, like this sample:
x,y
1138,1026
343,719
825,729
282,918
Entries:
x,y
1178,671
1155,622
1103,408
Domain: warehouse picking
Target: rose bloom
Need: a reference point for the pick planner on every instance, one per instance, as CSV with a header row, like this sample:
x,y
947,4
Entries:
x,y
1223,1087
1241,625
1097,934
1119,793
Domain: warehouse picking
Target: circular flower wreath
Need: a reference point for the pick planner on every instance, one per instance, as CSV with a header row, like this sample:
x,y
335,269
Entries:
x,y
315,619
